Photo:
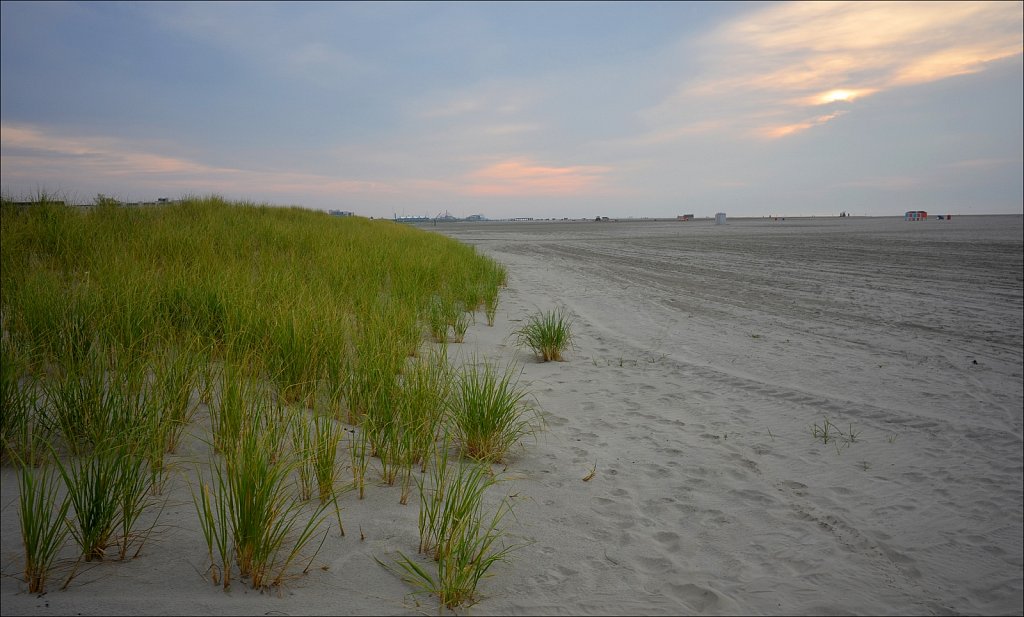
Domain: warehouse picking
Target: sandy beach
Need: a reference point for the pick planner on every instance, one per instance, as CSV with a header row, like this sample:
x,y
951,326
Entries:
x,y
705,356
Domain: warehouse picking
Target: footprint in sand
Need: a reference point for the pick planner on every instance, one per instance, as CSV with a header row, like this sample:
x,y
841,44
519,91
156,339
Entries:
x,y
698,599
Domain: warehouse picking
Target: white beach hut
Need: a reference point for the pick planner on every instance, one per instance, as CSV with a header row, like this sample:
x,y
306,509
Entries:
x,y
720,218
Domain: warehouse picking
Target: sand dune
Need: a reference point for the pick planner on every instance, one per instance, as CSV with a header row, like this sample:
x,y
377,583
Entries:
x,y
704,357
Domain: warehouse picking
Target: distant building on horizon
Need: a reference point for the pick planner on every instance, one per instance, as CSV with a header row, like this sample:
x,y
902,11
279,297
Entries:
x,y
412,219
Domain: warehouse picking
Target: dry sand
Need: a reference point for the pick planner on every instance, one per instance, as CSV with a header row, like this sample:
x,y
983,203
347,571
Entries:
x,y
704,356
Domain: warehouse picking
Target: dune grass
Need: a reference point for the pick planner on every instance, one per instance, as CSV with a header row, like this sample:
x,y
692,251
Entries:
x,y
425,388
547,333
460,320
108,491
22,434
496,277
359,451
263,512
249,510
300,431
118,324
214,519
489,410
41,513
457,532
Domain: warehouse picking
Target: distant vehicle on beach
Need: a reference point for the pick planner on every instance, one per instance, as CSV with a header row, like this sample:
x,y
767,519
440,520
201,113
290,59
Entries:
x,y
921,215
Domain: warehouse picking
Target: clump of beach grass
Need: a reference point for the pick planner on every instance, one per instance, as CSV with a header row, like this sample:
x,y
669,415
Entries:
x,y
239,393
425,388
93,483
496,277
438,318
489,411
248,504
456,531
22,435
547,333
326,440
303,448
262,512
177,373
212,507
826,431
105,416
460,323
41,513
359,451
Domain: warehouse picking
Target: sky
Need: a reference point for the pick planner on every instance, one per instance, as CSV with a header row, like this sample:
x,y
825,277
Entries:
x,y
542,110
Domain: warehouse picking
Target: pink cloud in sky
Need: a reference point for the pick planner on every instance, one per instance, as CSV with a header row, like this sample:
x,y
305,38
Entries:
x,y
97,154
523,177
31,153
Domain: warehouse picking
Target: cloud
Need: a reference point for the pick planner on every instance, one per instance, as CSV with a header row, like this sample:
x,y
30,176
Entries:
x,y
782,130
453,108
491,98
29,153
279,40
837,95
321,64
770,68
510,129
96,155
884,183
522,177
985,163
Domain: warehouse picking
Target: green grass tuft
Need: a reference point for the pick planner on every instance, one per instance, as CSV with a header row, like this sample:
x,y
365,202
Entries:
x,y
547,333
488,411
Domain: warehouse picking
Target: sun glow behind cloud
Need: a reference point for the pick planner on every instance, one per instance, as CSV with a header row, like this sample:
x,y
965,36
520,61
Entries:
x,y
840,95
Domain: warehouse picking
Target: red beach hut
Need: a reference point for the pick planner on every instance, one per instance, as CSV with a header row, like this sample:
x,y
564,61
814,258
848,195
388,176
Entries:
x,y
915,215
